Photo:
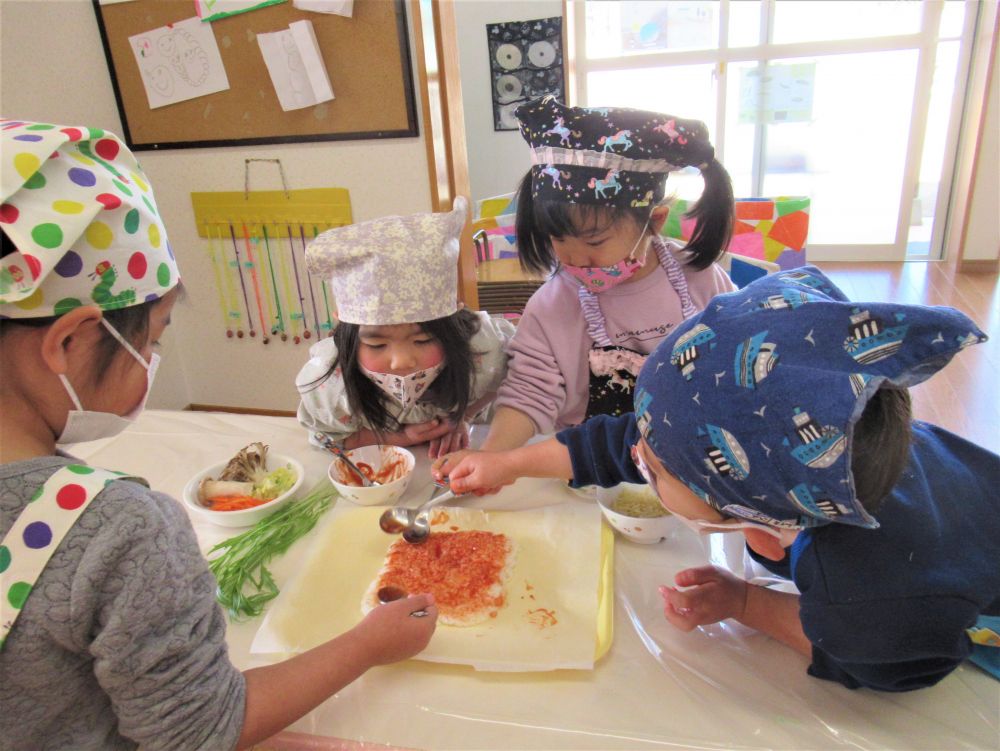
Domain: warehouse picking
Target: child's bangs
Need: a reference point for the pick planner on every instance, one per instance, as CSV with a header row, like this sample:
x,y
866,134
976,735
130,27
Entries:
x,y
559,220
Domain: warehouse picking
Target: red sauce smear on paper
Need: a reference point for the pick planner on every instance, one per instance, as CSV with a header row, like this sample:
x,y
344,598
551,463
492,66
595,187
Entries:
x,y
542,617
458,568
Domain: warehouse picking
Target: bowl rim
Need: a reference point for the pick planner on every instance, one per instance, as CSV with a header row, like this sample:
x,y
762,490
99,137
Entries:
x,y
406,452
605,503
190,488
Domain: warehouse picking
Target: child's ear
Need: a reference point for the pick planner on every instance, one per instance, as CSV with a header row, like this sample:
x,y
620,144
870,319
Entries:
x,y
658,217
61,335
764,544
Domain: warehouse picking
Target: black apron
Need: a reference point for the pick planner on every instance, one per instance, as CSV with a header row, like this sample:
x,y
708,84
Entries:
x,y
613,368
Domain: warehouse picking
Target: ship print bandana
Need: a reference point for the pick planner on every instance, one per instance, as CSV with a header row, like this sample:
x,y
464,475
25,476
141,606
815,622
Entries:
x,y
752,403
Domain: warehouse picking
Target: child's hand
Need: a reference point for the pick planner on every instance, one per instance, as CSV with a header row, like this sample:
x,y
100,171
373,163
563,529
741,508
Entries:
x,y
390,633
714,595
478,472
412,435
456,440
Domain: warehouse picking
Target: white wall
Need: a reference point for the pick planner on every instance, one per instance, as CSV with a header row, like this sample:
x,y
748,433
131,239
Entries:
x,y
52,69
497,159
982,239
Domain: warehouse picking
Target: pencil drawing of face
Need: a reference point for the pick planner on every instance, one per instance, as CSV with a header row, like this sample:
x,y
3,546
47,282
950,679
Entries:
x,y
186,56
161,80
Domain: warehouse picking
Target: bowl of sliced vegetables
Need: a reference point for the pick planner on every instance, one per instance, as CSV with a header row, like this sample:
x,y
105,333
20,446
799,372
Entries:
x,y
246,488
635,512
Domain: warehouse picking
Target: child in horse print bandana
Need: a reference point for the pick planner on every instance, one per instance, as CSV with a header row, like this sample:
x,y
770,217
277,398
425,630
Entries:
x,y
589,212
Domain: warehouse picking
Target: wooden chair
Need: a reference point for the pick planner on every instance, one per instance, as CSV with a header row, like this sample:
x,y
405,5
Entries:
x,y
504,288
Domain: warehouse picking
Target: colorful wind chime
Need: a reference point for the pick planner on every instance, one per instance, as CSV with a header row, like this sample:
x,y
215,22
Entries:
x,y
256,245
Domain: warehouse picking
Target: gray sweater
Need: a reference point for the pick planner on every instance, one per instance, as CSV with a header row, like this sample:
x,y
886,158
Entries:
x,y
121,642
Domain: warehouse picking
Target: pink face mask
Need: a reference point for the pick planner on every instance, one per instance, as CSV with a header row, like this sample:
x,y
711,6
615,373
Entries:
x,y
599,279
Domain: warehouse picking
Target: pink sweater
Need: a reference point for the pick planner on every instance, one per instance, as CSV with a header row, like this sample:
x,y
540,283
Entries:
x,y
548,373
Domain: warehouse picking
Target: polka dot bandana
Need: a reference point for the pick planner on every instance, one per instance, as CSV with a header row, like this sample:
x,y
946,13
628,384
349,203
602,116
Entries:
x,y
37,532
82,216
752,403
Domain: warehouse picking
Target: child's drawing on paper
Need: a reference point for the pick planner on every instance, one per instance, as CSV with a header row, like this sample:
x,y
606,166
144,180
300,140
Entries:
x,y
179,62
296,66
187,57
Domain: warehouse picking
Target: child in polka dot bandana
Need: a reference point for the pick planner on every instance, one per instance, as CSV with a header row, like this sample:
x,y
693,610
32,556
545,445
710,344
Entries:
x,y
109,628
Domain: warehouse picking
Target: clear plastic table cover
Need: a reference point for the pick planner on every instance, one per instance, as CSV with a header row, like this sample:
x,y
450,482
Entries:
x,y
721,686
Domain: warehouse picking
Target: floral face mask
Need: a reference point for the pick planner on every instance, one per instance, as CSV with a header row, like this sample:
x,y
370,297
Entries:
x,y
405,389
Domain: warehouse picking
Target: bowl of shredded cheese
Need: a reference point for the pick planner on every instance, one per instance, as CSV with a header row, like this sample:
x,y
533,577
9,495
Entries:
x,y
389,466
635,512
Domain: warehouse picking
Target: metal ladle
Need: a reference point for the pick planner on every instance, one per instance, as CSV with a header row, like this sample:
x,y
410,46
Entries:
x,y
390,593
334,449
414,523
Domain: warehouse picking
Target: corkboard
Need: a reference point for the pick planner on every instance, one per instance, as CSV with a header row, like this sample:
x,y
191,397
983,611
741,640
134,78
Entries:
x,y
367,58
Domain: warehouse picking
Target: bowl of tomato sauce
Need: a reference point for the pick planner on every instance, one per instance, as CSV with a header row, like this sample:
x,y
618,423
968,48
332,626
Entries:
x,y
389,466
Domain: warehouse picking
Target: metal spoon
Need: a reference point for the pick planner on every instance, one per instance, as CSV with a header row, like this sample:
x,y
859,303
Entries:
x,y
390,593
334,449
415,524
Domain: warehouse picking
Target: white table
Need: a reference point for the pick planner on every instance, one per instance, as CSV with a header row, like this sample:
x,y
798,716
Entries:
x,y
722,686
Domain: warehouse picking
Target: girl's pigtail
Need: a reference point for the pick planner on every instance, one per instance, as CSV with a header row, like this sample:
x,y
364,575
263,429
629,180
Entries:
x,y
713,215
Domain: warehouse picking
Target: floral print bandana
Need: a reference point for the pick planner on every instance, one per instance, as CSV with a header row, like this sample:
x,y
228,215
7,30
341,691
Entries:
x,y
395,269
752,402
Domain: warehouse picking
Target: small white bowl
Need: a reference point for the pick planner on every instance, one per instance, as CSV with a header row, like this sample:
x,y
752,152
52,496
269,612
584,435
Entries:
x,y
376,457
644,530
249,516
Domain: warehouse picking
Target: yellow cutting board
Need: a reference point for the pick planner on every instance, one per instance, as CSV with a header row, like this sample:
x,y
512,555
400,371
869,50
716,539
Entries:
x,y
559,596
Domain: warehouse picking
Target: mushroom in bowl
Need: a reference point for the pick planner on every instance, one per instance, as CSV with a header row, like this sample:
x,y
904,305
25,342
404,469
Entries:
x,y
242,491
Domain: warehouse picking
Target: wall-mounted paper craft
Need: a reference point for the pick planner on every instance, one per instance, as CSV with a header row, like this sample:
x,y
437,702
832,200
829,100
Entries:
x,y
213,10
777,94
296,66
178,62
337,7
526,62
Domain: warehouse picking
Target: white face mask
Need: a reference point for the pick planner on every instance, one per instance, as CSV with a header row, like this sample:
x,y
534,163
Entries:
x,y
405,389
703,526
84,425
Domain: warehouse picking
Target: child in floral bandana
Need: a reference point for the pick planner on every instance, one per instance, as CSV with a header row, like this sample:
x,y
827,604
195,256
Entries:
x,y
406,365
781,411
589,212
110,633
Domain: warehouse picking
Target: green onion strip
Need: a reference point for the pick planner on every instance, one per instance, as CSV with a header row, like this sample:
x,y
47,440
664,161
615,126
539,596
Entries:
x,y
245,585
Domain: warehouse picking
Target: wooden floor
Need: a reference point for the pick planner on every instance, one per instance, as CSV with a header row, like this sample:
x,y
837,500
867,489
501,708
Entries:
x,y
964,397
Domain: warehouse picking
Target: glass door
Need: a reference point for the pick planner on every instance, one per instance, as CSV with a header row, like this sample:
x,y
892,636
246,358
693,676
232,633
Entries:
x,y
853,103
